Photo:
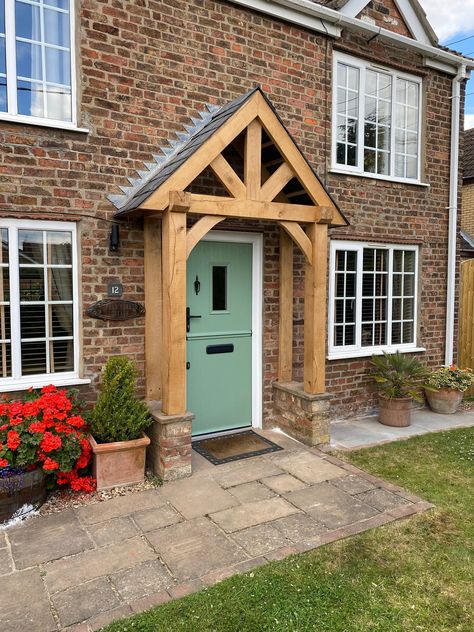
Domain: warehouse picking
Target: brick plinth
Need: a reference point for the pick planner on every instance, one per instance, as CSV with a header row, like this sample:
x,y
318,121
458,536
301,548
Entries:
x,y
303,416
169,453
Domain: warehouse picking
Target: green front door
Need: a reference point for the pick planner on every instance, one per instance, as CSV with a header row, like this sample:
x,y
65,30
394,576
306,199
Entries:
x,y
219,336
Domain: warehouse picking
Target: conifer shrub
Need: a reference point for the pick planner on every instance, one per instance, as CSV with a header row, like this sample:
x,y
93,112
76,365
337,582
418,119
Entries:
x,y
118,414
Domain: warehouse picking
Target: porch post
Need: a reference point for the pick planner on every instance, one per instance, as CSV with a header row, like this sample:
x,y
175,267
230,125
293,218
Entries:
x,y
285,351
154,307
174,312
315,311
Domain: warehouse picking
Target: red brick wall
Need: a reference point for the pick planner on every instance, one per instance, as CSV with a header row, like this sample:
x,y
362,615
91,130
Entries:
x,y
386,15
144,69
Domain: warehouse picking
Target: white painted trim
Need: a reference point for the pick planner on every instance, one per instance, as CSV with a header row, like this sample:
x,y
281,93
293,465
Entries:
x,y
377,176
18,382
256,240
363,65
10,45
356,350
354,7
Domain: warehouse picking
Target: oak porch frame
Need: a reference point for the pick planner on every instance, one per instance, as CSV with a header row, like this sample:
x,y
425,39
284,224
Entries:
x,y
258,197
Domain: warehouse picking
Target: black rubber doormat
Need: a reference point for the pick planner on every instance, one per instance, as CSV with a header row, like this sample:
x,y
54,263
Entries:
x,y
241,445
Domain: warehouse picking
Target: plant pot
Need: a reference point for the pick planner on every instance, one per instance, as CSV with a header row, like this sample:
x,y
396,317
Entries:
x,y
445,401
395,412
119,463
27,488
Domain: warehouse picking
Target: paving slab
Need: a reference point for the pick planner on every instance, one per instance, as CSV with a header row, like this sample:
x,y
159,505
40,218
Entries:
x,y
299,527
46,538
353,484
260,540
248,492
252,514
24,606
282,483
240,472
194,548
5,562
72,571
120,506
309,468
381,499
194,498
112,531
84,601
151,519
142,580
330,506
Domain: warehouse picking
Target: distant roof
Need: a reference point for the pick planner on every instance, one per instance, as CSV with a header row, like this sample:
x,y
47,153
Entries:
x,y
468,157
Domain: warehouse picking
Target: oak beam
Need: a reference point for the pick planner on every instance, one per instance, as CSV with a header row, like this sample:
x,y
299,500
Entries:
x,y
153,308
315,311
300,238
199,229
276,182
285,331
228,177
174,312
253,160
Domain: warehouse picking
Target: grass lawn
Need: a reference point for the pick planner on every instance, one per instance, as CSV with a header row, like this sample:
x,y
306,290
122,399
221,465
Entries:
x,y
413,575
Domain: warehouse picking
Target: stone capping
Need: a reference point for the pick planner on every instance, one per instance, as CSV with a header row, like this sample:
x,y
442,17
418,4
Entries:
x,y
297,389
158,415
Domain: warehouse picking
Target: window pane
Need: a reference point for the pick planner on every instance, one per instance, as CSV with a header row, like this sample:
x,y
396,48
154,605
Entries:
x,y
348,112
30,245
59,248
345,298
28,60
60,4
30,98
31,284
32,320
33,358
3,62
58,103
61,320
219,288
5,331
349,337
408,333
396,333
56,28
2,16
27,21
58,67
61,356
60,284
3,95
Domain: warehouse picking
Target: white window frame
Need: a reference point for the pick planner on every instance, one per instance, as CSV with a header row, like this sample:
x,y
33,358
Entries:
x,y
16,381
363,65
357,350
10,39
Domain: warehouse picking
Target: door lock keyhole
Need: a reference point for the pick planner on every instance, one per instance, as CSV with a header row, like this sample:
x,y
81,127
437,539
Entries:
x,y
197,285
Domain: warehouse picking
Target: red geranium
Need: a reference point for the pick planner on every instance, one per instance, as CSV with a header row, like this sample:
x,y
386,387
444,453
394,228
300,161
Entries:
x,y
46,431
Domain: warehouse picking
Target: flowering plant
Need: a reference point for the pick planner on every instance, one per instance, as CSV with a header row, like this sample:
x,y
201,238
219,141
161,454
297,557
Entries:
x,y
451,377
46,431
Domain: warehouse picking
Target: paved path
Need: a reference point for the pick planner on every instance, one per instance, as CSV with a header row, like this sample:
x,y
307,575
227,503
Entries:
x,y
82,568
367,431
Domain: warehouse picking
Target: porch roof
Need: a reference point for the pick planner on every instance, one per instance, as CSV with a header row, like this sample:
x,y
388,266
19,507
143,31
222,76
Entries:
x,y
179,151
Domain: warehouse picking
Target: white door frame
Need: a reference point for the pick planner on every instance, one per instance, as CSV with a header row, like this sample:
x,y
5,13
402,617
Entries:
x,y
256,240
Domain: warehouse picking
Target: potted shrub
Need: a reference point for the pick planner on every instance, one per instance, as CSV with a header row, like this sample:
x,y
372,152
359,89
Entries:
x,y
446,388
117,423
42,443
399,378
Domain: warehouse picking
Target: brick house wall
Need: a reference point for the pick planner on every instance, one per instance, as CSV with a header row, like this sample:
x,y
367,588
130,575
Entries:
x,y
145,68
467,221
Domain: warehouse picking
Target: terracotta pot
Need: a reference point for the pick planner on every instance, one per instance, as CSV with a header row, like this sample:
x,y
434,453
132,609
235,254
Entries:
x,y
28,488
395,412
119,463
445,401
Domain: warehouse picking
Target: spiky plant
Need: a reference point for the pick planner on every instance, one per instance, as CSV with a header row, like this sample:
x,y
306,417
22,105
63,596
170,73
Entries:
x,y
399,375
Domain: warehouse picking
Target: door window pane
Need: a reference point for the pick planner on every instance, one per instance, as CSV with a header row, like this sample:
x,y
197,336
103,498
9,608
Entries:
x,y
219,288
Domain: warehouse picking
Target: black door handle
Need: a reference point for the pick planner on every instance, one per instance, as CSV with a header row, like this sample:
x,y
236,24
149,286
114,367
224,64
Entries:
x,y
188,319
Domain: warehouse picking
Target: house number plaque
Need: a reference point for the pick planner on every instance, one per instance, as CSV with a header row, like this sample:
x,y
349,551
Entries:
x,y
114,289
110,309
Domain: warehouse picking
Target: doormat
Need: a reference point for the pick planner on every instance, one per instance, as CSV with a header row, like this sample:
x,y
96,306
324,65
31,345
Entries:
x,y
234,447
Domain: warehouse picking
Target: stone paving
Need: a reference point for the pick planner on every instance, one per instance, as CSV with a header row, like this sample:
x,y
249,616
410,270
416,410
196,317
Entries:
x,y
83,568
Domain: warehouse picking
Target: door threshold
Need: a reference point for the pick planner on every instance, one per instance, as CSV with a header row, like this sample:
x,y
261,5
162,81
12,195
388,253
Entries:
x,y
222,433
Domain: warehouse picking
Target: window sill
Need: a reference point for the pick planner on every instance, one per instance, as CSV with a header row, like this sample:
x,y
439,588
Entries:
x,y
29,120
39,382
374,176
367,353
